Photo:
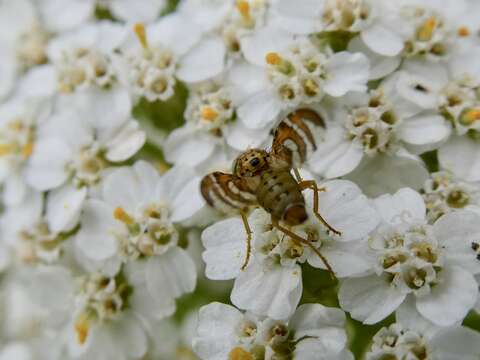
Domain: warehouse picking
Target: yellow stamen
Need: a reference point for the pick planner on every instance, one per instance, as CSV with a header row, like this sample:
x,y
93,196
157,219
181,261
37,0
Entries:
x,y
81,328
463,31
16,125
121,215
243,8
239,354
468,117
27,149
209,113
272,58
425,31
139,30
6,149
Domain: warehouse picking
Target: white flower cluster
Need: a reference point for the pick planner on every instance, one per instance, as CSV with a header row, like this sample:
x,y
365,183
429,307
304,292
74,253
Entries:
x,y
102,218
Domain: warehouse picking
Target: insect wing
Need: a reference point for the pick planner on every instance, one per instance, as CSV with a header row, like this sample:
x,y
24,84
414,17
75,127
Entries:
x,y
226,192
294,138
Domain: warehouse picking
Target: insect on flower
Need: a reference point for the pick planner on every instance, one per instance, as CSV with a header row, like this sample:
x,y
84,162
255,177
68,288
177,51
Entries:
x,y
264,178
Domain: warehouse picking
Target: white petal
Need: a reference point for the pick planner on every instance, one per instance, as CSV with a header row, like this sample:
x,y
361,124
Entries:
x,y
386,174
130,336
273,292
456,343
404,203
14,190
299,17
451,300
369,299
259,110
335,156
59,17
408,317
346,72
225,248
345,208
346,259
312,349
240,138
188,201
173,182
380,66
424,129
47,167
171,274
125,143
268,39
456,232
216,332
63,207
246,80
382,40
95,238
204,61
326,324
141,11
186,146
176,32
16,351
461,155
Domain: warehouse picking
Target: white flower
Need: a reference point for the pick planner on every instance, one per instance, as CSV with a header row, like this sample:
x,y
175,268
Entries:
x,y
152,58
432,264
133,224
63,15
312,332
83,58
444,193
300,73
271,283
75,146
19,121
23,41
28,233
413,337
140,10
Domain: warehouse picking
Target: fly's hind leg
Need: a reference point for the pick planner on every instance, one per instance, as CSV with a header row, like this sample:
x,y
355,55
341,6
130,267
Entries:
x,y
249,240
311,184
299,239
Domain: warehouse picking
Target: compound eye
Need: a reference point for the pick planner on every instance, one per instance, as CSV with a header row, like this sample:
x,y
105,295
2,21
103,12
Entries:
x,y
255,162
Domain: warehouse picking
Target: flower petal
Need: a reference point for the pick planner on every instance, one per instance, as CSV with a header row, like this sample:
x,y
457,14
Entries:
x,y
63,207
369,299
273,292
451,299
225,248
171,274
346,72
461,155
204,61
382,40
405,202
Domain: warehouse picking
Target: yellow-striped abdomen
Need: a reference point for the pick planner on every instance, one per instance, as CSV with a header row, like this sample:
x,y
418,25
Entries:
x,y
280,195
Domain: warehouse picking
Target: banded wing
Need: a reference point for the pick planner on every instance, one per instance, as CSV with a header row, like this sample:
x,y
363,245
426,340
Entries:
x,y
294,139
227,193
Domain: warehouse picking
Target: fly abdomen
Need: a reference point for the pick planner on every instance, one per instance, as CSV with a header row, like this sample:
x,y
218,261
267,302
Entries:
x,y
280,195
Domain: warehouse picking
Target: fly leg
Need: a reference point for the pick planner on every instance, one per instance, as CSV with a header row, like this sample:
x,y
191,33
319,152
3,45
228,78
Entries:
x,y
249,240
299,239
311,184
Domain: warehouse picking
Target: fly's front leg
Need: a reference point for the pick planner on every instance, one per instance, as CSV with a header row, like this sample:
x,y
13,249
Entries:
x,y
299,239
249,240
311,184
